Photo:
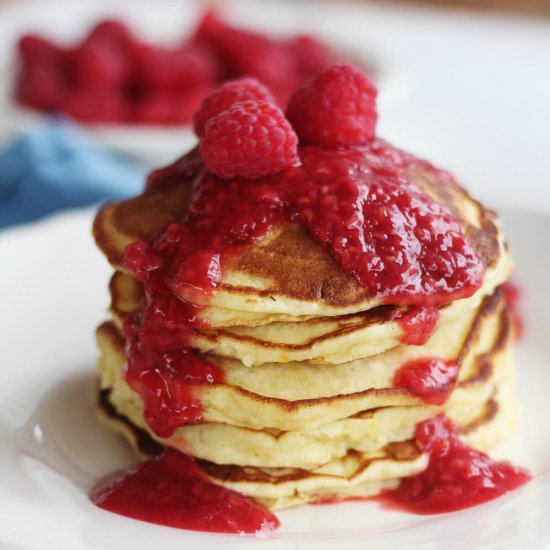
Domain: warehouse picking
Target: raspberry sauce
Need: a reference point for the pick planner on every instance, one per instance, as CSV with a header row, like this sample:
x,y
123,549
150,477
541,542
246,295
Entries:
x,y
417,324
431,379
162,370
402,246
512,295
171,490
457,476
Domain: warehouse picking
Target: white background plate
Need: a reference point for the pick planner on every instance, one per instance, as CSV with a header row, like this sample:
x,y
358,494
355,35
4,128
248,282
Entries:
x,y
472,96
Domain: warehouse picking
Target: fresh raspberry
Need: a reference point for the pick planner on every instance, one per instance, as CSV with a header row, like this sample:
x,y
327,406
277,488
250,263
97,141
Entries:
x,y
251,139
227,95
168,107
110,32
42,87
336,109
96,106
98,66
247,53
311,55
42,80
37,50
170,69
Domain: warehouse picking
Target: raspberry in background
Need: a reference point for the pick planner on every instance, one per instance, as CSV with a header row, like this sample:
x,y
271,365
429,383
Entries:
x,y
35,49
169,107
42,80
280,64
111,32
251,139
103,59
104,107
42,87
227,95
97,66
112,62
311,55
335,109
263,58
178,68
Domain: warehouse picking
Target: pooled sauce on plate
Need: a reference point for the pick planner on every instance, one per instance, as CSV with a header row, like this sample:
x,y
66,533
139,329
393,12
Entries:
x,y
171,490
457,476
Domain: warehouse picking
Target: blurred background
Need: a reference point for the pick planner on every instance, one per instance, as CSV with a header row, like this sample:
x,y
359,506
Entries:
x,y
522,7
94,93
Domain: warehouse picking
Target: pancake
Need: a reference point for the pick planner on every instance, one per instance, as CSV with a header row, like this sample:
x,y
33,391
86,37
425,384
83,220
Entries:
x,y
315,340
361,410
286,274
355,474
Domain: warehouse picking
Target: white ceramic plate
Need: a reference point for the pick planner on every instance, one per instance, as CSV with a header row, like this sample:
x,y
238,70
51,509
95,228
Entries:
x,y
53,292
474,99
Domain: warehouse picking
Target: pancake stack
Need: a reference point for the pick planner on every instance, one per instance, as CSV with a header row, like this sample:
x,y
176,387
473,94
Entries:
x,y
308,409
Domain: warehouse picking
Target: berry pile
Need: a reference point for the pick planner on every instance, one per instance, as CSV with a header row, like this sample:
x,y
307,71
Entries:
x,y
113,77
243,133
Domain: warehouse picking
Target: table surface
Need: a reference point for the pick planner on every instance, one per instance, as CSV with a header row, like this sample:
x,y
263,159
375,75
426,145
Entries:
x,y
526,7
537,8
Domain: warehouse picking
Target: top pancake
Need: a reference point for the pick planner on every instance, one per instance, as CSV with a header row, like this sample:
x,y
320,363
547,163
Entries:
x,y
287,274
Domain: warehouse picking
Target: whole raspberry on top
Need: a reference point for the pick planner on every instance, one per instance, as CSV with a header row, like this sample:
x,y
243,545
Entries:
x,y
335,109
251,139
225,96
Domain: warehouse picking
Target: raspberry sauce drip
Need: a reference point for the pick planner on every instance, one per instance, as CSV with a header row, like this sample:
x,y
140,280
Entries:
x,y
417,324
402,247
400,244
512,295
457,476
171,490
161,367
431,379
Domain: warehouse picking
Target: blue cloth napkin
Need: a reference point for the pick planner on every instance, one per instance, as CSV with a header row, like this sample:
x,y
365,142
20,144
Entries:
x,y
57,166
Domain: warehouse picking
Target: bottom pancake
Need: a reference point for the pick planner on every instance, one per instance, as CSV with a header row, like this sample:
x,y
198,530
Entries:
x,y
354,475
